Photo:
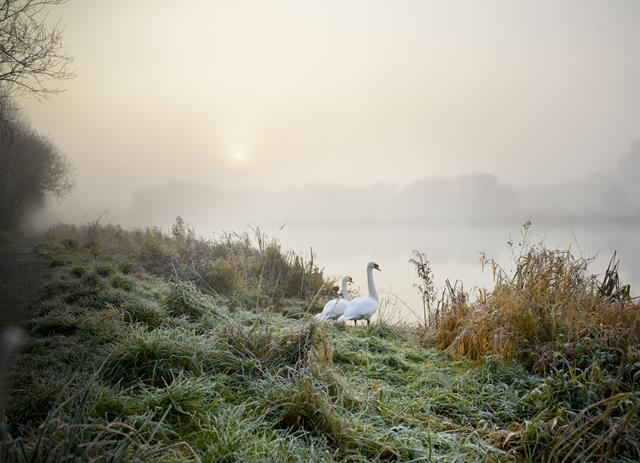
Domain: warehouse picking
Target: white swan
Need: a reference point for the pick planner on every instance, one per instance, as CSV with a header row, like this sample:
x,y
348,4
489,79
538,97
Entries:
x,y
335,307
362,308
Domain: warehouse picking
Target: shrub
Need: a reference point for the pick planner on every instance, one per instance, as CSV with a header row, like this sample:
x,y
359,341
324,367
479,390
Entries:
x,y
550,298
222,275
558,320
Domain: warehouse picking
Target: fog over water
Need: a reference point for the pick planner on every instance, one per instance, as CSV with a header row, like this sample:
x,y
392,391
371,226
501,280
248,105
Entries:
x,y
370,128
451,220
454,251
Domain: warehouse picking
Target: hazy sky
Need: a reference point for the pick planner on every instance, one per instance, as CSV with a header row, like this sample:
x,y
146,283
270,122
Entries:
x,y
279,93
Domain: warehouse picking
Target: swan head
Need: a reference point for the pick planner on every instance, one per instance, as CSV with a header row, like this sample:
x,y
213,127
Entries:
x,y
373,265
347,279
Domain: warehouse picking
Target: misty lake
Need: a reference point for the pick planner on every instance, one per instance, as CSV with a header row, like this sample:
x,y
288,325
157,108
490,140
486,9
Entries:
x,y
454,252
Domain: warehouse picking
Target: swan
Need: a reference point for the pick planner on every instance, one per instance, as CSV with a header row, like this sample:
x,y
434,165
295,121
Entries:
x,y
362,308
335,307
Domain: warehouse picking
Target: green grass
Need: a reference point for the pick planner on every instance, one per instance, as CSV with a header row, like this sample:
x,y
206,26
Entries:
x,y
124,364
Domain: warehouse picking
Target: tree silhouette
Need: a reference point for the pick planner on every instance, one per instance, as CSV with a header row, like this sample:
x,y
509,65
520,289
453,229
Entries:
x,y
31,51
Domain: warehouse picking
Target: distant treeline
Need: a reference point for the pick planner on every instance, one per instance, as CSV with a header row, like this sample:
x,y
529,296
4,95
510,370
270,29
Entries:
x,y
611,197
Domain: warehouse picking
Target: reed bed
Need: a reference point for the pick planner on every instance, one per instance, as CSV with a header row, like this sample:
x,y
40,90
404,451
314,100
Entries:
x,y
581,333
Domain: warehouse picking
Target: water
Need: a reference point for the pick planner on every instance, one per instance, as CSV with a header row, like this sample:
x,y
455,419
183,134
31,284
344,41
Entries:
x,y
454,252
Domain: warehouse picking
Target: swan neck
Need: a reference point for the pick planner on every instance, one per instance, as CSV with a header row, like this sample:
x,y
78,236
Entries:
x,y
372,287
345,289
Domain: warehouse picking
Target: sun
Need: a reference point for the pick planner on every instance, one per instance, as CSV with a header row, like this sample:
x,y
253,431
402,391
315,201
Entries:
x,y
237,153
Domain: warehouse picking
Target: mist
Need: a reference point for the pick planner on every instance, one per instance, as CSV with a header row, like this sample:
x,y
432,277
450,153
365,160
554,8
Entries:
x,y
242,95
368,128
607,196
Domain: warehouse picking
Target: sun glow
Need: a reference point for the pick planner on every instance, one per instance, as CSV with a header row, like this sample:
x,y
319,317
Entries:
x,y
237,153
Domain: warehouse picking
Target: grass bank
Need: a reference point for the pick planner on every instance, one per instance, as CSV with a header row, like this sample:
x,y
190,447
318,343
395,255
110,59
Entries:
x,y
163,347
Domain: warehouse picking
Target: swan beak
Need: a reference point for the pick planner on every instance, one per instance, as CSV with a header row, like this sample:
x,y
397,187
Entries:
x,y
378,269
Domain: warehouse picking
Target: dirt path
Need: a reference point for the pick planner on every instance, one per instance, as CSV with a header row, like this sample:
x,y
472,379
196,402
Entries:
x,y
21,276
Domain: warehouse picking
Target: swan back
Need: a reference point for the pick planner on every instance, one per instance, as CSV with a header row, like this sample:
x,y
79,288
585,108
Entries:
x,y
334,308
362,308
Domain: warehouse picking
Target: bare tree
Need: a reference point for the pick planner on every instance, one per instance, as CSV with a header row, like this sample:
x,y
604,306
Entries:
x,y
31,169
31,55
31,51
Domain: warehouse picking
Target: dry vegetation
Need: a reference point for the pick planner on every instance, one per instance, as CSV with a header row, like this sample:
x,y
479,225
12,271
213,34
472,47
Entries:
x,y
250,269
165,347
557,320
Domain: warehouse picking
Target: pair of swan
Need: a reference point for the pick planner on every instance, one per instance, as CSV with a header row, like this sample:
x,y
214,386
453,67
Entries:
x,y
360,308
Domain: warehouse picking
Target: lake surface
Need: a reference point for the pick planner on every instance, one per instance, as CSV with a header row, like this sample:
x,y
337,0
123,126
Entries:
x,y
454,252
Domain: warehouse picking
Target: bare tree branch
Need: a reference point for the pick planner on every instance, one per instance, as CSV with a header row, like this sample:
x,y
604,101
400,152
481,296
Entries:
x,y
31,50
